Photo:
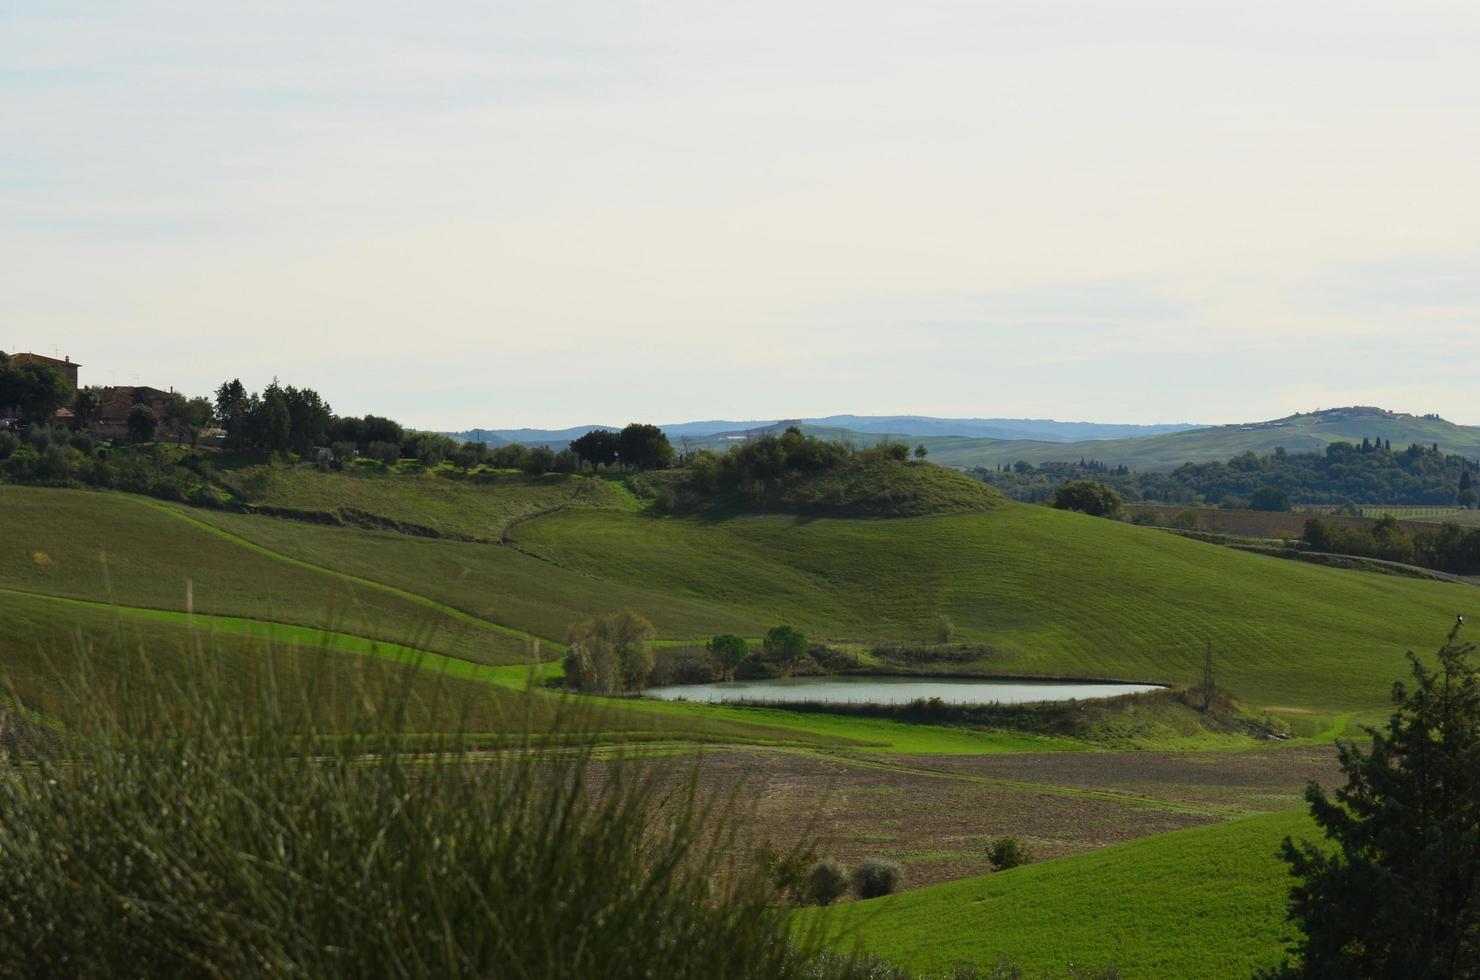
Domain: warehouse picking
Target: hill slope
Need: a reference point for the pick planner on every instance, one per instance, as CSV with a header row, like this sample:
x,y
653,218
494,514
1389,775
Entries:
x,y
1206,902
1297,433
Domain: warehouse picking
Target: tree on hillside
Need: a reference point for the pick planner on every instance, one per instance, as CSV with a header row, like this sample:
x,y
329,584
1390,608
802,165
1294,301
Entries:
x,y
1089,497
141,423
645,447
729,652
921,451
1399,894
185,417
309,417
233,407
599,447
785,647
1269,499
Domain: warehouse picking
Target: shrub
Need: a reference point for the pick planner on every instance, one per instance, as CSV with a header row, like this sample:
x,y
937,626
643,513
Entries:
x,y
1008,852
875,877
38,437
826,883
83,443
55,463
8,444
944,629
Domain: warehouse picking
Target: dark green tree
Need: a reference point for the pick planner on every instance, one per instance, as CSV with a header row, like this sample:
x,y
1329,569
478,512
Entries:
x,y
37,390
1396,896
233,406
645,447
1270,499
141,423
729,652
1089,497
277,419
921,451
87,406
785,647
599,447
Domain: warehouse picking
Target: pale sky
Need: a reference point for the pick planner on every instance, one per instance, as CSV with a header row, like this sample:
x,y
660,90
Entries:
x,y
548,213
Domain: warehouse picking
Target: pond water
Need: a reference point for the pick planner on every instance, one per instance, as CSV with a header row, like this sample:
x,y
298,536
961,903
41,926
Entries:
x,y
893,690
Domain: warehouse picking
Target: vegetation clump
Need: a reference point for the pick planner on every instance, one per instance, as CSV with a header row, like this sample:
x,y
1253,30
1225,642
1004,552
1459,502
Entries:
x,y
610,654
797,473
1008,852
875,878
1088,497
827,882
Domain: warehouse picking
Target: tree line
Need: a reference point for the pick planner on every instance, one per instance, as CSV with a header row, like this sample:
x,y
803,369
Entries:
x,y
1446,548
1367,472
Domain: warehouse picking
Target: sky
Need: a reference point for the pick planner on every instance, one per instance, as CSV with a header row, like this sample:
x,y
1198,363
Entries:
x,y
499,214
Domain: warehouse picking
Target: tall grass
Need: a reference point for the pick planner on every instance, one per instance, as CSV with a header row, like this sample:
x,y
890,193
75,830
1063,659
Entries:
x,y
188,830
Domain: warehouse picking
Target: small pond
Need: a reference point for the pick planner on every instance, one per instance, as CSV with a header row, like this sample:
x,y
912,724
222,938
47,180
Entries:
x,y
894,690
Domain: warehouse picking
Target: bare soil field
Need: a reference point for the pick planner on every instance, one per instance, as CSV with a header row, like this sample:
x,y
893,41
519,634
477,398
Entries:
x,y
935,815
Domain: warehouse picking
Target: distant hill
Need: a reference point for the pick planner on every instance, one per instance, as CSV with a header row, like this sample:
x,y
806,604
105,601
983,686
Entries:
x,y
874,426
1296,433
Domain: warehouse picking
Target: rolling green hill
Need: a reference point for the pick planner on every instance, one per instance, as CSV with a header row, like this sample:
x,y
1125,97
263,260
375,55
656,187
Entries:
x,y
1297,433
1054,593
1207,902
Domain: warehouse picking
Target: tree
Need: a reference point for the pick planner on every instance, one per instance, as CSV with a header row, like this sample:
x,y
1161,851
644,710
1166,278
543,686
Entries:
x,y
610,654
729,652
1207,684
921,452
232,407
277,420
1397,895
141,423
644,447
185,417
786,647
1089,497
37,390
308,418
599,447
87,406
1270,499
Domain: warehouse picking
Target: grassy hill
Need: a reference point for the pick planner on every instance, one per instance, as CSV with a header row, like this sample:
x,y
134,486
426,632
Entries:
x,y
1207,902
1054,593
1297,433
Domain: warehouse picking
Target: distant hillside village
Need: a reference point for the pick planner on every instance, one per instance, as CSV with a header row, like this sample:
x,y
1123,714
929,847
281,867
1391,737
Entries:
x,y
47,391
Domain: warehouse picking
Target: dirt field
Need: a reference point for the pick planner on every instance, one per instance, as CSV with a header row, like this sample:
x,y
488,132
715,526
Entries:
x,y
935,815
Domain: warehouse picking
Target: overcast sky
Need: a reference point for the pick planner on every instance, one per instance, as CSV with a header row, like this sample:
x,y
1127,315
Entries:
x,y
547,213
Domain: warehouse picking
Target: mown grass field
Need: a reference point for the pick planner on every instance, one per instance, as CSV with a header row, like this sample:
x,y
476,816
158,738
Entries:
x,y
481,505
1056,594
1206,902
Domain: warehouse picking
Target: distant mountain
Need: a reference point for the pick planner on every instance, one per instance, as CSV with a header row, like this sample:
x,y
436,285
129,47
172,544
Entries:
x,y
872,426
1296,433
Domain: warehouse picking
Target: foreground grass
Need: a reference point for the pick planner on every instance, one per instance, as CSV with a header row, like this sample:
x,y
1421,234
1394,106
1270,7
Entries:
x,y
187,833
1205,902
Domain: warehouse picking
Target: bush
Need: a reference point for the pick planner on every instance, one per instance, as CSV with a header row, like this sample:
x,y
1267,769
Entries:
x,y
1008,852
83,443
826,883
8,444
38,437
875,878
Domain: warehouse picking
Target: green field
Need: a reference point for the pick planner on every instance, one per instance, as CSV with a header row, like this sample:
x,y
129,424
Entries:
x,y
1056,594
1207,902
481,505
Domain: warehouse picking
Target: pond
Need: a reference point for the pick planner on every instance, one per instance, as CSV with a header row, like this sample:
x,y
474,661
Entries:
x,y
894,690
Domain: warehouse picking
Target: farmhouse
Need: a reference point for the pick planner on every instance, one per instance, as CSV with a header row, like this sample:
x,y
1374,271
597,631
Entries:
x,y
65,367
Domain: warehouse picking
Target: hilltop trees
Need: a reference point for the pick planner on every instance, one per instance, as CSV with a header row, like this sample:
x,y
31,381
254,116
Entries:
x,y
277,420
38,390
142,423
599,447
1399,896
644,447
